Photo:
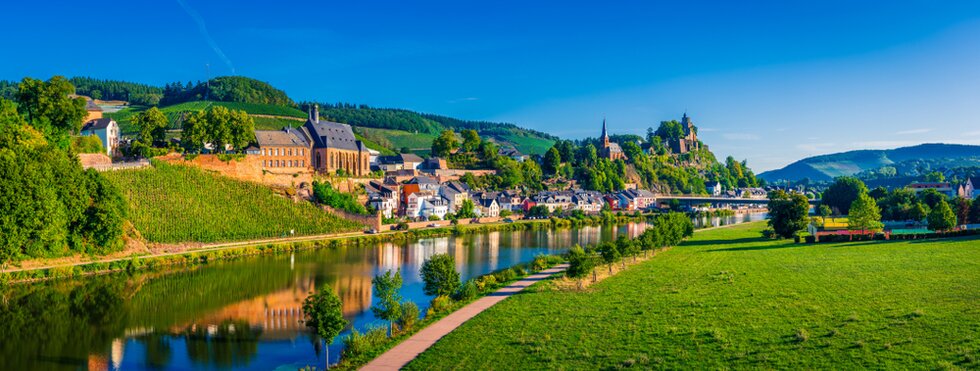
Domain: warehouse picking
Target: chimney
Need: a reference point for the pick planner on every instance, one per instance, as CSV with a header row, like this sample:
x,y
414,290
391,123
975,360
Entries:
x,y
316,113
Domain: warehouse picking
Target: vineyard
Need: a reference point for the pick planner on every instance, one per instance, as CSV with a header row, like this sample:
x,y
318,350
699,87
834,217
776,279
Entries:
x,y
174,203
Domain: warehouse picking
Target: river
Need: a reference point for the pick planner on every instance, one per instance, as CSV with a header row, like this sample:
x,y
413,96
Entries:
x,y
243,313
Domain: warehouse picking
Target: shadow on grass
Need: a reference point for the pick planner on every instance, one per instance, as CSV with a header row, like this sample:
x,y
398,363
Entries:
x,y
723,241
760,244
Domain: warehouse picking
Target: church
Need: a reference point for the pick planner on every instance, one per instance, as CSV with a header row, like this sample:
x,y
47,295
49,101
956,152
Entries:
x,y
610,150
326,147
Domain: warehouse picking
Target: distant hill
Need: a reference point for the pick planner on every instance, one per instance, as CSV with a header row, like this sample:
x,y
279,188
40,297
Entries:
x,y
827,167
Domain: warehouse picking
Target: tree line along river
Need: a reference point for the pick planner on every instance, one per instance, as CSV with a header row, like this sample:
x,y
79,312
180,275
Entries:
x,y
244,313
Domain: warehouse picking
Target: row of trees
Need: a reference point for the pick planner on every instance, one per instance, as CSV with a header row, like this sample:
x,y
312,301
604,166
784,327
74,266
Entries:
x,y
139,94
225,89
219,127
667,230
51,206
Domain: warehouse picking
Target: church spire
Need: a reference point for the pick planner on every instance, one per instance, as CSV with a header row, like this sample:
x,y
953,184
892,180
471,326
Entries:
x,y
604,135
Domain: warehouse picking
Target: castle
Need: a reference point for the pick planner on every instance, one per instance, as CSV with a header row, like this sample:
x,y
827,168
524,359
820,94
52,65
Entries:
x,y
689,142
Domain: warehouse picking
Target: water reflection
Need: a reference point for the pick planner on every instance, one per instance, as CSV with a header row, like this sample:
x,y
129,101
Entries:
x,y
237,314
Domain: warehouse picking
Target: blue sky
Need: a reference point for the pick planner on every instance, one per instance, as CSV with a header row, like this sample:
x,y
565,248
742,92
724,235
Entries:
x,y
768,81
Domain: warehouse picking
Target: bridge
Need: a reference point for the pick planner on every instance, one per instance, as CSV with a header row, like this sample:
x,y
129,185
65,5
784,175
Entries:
x,y
717,201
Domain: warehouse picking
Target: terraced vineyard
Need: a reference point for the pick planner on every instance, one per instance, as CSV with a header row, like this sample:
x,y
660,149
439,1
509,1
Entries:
x,y
175,203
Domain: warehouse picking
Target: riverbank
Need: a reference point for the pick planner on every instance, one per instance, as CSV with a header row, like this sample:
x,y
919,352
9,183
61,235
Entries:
x,y
231,250
729,298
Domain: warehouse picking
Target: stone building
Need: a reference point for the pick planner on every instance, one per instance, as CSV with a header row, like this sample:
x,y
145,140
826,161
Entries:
x,y
687,143
609,149
288,149
335,147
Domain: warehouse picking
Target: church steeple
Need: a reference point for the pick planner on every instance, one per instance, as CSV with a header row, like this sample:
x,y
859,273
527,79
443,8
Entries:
x,y
605,136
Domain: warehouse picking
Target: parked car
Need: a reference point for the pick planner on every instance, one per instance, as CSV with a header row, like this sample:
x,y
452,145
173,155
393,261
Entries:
x,y
371,231
433,225
508,220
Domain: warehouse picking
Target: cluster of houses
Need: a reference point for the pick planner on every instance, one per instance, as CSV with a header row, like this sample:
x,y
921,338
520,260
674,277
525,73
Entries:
x,y
423,197
967,189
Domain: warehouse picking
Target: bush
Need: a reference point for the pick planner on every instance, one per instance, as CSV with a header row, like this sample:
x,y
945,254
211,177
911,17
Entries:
x,y
410,315
357,343
488,282
441,303
519,271
505,275
440,275
466,291
769,233
580,262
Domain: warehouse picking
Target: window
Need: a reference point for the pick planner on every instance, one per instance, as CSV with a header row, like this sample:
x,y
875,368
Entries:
x,y
302,163
289,163
264,163
290,151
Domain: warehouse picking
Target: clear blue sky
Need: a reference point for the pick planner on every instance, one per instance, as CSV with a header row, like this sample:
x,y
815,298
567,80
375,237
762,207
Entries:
x,y
768,81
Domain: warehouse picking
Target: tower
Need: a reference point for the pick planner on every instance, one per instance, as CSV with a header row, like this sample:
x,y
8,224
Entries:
x,y
605,136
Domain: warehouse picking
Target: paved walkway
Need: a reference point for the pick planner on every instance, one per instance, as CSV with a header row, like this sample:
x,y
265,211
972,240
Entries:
x,y
403,353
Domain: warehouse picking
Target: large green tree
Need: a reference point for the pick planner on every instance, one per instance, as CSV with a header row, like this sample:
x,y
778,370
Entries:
x,y
439,275
864,214
843,192
219,127
551,162
49,107
788,212
941,218
152,126
471,140
444,144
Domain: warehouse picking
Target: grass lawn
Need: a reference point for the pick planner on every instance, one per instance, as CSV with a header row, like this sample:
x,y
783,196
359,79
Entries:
x,y
728,299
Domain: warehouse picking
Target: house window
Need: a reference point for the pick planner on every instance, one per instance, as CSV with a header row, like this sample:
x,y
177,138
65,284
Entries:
x,y
263,163
290,151
290,163
302,163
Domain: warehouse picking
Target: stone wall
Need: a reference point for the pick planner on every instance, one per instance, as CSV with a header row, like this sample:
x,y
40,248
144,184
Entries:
x,y
248,168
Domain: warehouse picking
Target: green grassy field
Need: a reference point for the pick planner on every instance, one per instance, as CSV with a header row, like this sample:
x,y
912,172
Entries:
x,y
172,203
728,299
401,138
530,145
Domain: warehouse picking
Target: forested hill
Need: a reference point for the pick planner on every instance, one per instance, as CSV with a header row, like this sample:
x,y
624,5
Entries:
x,y
827,167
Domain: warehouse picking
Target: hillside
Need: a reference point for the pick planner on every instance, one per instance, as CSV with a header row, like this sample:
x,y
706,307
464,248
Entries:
x,y
827,167
223,209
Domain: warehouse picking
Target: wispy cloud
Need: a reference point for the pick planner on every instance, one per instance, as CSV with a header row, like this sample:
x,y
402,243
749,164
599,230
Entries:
x,y
207,35
913,131
740,136
972,134
467,99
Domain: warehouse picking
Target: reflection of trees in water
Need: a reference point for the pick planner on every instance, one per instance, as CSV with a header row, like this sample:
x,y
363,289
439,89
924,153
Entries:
x,y
58,325
232,343
157,351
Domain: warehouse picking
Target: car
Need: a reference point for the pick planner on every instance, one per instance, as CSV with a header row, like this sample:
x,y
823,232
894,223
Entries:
x,y
434,225
371,231
508,220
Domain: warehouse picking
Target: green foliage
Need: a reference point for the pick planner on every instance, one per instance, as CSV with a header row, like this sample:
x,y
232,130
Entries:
x,y
443,145
51,206
218,126
609,252
133,93
467,291
440,304
730,299
439,275
87,144
580,262
49,109
551,162
324,314
325,194
788,212
386,288
151,125
224,209
975,211
941,218
671,130
842,193
864,214
410,315
226,89
466,210
356,343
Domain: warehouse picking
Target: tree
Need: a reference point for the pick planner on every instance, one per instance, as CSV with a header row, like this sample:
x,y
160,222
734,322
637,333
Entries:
x,y
975,211
931,197
471,140
466,210
152,126
843,192
552,160
787,212
670,130
824,211
220,127
918,212
962,210
864,214
878,193
934,177
50,109
324,314
440,276
580,262
941,218
389,306
445,143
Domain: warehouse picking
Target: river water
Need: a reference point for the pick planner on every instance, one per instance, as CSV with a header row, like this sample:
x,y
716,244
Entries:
x,y
244,313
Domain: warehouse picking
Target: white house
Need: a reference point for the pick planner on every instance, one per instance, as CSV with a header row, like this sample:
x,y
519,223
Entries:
x,y
489,207
714,188
107,130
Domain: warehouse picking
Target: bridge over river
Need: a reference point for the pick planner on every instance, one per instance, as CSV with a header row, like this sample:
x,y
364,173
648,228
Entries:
x,y
717,201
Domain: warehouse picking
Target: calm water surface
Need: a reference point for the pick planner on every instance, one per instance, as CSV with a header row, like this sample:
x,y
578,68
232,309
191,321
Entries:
x,y
242,314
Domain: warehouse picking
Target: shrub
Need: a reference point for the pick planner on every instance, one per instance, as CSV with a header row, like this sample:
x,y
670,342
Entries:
x,y
466,291
580,262
410,315
441,303
505,275
357,343
518,271
488,282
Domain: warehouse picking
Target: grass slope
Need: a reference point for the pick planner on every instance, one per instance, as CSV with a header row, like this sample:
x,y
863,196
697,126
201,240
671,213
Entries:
x,y
173,203
727,299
